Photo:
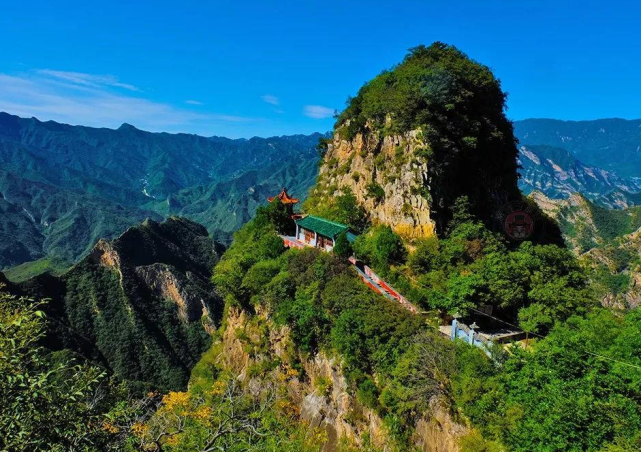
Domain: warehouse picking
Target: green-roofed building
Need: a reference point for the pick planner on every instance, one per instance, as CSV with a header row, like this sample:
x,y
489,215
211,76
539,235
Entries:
x,y
321,233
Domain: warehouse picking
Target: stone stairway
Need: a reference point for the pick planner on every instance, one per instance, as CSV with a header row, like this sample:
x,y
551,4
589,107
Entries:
x,y
374,285
379,285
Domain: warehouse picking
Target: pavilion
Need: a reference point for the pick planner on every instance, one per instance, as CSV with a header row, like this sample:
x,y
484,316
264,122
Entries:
x,y
284,198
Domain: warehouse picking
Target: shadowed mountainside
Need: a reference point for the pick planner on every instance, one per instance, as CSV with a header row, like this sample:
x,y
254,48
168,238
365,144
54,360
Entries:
x,y
142,305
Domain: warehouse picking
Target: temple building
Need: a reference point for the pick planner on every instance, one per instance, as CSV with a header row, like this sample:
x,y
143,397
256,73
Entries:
x,y
311,230
320,233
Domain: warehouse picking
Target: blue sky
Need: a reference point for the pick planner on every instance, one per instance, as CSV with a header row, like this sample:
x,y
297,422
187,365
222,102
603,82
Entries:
x,y
245,68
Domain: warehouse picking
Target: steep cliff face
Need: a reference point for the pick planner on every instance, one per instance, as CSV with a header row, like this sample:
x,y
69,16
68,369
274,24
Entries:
x,y
142,305
621,288
317,388
417,138
388,176
575,215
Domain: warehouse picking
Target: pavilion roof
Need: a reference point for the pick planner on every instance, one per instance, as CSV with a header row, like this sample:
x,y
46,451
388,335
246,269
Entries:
x,y
283,197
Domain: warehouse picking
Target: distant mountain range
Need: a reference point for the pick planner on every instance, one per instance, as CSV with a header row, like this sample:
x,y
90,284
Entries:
x,y
558,174
611,144
63,187
601,159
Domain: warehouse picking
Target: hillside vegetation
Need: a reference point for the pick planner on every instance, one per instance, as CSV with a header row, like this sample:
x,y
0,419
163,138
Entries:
x,y
299,353
141,306
396,364
607,242
557,393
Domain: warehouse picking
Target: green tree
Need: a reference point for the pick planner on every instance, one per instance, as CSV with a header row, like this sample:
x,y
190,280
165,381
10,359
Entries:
x,y
426,255
46,404
342,247
322,147
573,391
350,212
280,216
531,318
381,247
375,191
460,213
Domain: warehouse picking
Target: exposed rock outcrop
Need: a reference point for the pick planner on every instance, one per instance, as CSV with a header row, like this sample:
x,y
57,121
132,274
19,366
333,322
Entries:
x,y
558,174
139,303
439,432
321,395
401,181
104,254
394,166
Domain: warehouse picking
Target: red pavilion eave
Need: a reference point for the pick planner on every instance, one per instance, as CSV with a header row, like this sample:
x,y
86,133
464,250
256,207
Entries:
x,y
283,197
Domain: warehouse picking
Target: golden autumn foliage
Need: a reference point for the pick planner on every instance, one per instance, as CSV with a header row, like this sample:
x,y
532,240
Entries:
x,y
223,416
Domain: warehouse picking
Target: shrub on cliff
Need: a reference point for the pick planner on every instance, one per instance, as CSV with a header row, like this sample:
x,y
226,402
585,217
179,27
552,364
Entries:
x,y
380,247
342,247
342,209
48,401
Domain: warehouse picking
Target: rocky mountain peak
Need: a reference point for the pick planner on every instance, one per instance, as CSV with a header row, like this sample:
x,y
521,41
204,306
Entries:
x,y
126,127
418,137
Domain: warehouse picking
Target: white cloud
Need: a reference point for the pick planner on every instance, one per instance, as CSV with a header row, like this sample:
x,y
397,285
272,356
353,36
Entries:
x,y
318,111
193,102
94,80
90,101
270,99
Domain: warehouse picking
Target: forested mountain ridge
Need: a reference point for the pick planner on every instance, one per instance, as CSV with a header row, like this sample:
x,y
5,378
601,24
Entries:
x,y
307,356
63,187
606,241
39,219
143,163
142,305
228,205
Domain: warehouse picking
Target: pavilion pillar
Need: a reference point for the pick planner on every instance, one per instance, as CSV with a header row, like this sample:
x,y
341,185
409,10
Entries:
x,y
315,239
297,231
454,326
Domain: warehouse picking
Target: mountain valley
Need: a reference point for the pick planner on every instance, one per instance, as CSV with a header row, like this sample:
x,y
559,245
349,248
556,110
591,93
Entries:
x,y
64,187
